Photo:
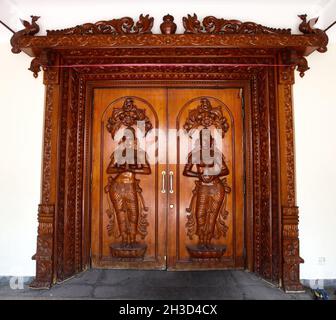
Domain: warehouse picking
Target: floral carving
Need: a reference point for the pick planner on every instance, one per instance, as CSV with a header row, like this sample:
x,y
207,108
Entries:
x,y
123,25
205,115
47,145
223,26
128,115
171,40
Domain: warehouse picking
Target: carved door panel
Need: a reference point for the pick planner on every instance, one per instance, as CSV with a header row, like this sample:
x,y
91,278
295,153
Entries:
x,y
205,209
128,209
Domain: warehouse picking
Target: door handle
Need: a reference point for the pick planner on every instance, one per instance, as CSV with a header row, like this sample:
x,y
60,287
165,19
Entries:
x,y
171,187
163,190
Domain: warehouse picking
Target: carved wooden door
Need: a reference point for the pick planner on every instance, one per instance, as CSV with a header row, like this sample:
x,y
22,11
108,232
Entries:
x,y
128,210
205,219
171,210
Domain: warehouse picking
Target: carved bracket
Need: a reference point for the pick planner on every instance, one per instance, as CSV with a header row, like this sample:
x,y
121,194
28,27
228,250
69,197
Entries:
x,y
296,60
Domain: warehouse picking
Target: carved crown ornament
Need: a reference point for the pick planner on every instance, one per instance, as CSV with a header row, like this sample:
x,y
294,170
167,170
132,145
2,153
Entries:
x,y
212,32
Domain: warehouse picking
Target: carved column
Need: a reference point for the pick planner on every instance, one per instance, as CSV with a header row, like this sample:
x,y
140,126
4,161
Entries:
x,y
45,264
290,214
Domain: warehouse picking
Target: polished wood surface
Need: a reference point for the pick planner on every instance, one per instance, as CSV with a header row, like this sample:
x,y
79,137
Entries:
x,y
167,233
153,102
181,103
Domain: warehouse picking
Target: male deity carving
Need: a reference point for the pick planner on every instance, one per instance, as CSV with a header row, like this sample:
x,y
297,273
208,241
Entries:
x,y
207,163
127,211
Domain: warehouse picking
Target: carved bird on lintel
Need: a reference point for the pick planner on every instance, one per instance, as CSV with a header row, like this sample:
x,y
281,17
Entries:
x,y
307,26
31,28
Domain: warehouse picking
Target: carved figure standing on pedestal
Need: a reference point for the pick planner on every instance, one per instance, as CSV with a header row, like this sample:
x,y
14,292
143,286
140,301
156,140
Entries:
x,y
207,163
127,211
208,202
125,194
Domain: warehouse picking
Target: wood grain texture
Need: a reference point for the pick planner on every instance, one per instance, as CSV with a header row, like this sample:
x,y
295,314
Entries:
x,y
106,102
181,102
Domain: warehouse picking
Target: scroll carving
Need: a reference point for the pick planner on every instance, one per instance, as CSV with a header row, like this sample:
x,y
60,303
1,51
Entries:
x,y
31,28
127,211
215,25
128,115
46,189
208,203
120,26
206,116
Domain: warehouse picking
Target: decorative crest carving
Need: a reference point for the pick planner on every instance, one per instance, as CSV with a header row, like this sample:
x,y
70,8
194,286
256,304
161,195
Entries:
x,y
168,26
128,115
215,25
30,29
123,25
206,116
307,27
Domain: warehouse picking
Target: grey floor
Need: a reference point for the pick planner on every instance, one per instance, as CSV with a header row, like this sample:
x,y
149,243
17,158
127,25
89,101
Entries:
x,y
148,285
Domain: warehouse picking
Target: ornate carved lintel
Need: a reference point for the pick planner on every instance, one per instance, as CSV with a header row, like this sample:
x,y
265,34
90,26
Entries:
x,y
44,252
290,249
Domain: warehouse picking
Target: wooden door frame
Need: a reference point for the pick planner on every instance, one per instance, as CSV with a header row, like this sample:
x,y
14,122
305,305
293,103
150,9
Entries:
x,y
212,51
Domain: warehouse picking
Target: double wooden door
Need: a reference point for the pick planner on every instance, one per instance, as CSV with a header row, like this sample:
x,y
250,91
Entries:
x,y
167,185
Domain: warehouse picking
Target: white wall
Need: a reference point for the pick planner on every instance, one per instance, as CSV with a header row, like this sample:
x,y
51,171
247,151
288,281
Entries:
x,y
21,120
315,125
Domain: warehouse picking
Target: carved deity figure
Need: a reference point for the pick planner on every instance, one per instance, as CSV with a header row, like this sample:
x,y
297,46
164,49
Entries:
x,y
128,211
208,202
